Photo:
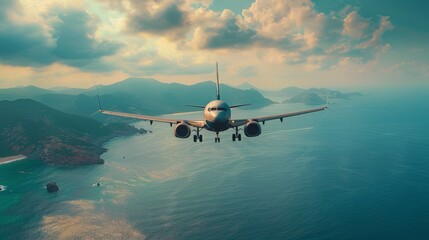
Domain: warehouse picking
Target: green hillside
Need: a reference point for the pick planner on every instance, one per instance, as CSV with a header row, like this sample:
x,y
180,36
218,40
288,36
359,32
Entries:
x,y
35,130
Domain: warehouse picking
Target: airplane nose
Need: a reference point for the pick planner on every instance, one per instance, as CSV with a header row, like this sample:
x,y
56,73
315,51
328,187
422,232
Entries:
x,y
220,116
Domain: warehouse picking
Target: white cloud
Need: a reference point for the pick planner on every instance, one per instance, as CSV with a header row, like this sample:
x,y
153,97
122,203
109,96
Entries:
x,y
355,25
384,26
294,20
170,38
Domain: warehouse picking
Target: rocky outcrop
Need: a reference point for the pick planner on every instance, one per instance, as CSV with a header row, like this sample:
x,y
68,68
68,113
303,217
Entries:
x,y
52,187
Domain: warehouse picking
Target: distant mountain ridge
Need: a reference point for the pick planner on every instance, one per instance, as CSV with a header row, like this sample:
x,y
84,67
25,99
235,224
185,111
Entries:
x,y
310,96
35,130
22,92
142,95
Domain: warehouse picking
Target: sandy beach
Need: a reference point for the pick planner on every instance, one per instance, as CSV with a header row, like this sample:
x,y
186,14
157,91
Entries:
x,y
10,159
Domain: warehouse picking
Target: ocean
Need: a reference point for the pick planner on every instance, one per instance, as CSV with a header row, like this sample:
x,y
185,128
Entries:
x,y
357,171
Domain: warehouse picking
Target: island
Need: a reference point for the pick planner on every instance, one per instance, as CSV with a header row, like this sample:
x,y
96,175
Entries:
x,y
29,128
307,98
315,96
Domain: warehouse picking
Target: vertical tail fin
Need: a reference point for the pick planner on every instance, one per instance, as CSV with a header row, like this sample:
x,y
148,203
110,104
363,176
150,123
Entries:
x,y
217,82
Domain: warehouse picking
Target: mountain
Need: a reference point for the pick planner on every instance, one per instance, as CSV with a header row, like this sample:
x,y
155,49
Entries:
x,y
172,97
66,90
302,95
22,92
333,94
146,96
314,96
30,128
246,86
307,98
291,91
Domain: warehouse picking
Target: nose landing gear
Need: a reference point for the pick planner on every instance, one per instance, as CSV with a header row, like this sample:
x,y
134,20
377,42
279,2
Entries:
x,y
217,138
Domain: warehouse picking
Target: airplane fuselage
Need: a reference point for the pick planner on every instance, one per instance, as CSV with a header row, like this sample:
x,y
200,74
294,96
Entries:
x,y
217,115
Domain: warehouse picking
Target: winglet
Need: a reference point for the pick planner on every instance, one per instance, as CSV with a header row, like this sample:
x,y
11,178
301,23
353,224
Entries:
x,y
98,99
99,102
217,82
327,99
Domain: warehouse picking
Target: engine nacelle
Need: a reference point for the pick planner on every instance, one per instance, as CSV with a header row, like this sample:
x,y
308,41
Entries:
x,y
182,130
252,129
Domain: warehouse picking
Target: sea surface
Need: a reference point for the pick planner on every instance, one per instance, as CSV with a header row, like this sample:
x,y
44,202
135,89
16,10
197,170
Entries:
x,y
357,171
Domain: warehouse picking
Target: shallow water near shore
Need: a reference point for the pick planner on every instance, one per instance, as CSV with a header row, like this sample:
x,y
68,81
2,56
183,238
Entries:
x,y
359,172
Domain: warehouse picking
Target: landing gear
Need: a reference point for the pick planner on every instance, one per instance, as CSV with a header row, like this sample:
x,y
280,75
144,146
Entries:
x,y
236,135
198,136
217,138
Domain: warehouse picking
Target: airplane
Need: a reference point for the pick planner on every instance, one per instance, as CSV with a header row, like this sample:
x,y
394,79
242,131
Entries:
x,y
217,118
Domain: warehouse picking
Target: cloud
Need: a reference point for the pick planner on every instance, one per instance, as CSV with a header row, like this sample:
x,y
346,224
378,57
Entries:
x,y
70,40
385,25
295,27
355,25
159,22
165,38
283,19
22,44
225,31
75,40
158,17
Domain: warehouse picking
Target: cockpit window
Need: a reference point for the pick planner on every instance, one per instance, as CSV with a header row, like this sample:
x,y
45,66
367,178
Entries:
x,y
216,109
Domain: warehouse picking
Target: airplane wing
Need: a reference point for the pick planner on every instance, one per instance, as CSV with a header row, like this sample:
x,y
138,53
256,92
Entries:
x,y
193,123
240,122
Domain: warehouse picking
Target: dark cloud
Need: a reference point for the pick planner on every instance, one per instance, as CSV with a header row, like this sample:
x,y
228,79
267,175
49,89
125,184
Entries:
x,y
230,36
71,41
22,44
166,19
74,37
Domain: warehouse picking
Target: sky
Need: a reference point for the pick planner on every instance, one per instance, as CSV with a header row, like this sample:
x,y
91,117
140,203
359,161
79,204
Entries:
x,y
268,43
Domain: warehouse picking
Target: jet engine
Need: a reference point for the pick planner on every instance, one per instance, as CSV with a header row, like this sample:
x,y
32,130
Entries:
x,y
252,129
182,130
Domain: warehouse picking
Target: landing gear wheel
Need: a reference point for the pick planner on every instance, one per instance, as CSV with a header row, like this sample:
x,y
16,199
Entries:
x,y
195,138
200,138
236,135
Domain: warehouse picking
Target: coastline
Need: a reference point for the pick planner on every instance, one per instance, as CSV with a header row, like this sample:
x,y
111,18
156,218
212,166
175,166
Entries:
x,y
5,160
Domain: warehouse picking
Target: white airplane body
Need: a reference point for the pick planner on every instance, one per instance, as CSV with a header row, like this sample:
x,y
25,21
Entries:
x,y
217,118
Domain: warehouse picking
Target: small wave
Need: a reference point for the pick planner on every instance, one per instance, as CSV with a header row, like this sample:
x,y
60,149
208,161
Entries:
x,y
2,188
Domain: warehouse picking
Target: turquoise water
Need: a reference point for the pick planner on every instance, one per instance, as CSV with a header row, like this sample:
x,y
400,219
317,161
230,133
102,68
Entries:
x,y
359,172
